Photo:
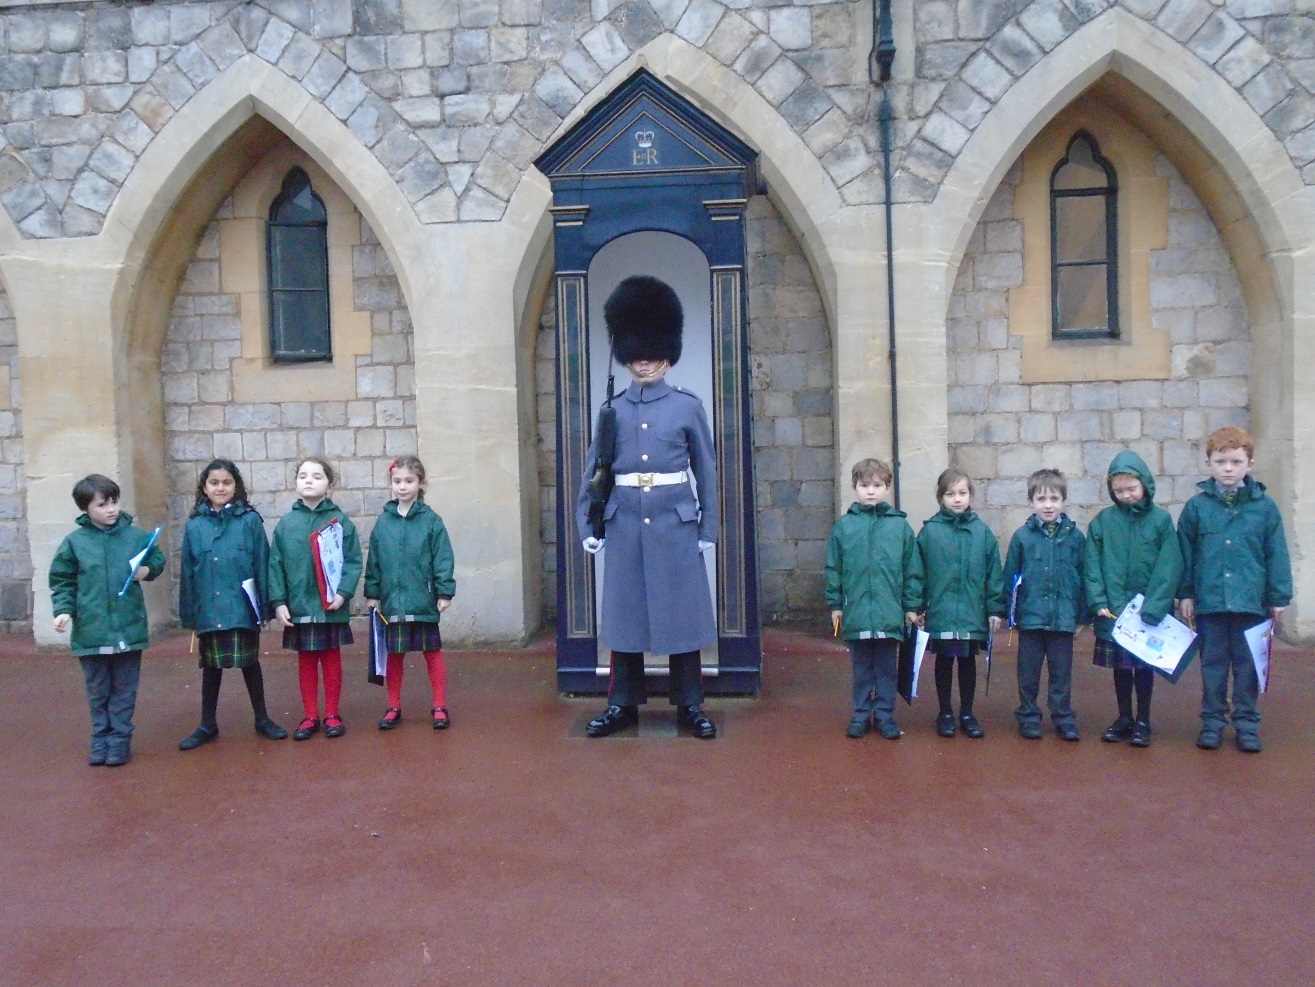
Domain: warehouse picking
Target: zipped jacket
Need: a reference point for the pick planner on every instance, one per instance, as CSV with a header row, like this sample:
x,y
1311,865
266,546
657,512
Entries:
x,y
221,549
873,571
1131,549
963,579
410,564
292,580
1235,558
86,574
1050,596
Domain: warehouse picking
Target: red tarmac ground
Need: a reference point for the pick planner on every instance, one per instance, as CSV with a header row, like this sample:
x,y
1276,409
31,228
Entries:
x,y
512,850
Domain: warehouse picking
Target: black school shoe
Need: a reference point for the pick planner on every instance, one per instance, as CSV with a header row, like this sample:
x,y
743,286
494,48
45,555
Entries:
x,y
1120,729
201,735
1068,732
1209,739
890,730
268,728
693,719
971,728
1248,742
1029,731
1141,734
858,727
612,719
945,725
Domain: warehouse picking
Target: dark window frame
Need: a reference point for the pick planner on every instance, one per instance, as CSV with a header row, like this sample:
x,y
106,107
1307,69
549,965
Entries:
x,y
294,245
1110,193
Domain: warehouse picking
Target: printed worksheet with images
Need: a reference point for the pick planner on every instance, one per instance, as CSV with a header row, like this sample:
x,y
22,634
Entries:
x,y
1260,640
1167,646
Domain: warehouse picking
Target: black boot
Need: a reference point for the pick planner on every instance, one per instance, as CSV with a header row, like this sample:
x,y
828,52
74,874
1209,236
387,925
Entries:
x,y
255,680
612,719
693,719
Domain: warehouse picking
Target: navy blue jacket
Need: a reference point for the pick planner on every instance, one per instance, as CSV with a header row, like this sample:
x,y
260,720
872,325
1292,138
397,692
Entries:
x,y
1050,597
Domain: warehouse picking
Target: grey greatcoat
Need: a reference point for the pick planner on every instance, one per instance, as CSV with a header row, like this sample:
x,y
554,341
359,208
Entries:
x,y
655,587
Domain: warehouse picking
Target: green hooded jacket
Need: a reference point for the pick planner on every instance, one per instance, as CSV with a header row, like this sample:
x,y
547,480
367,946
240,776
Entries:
x,y
220,550
410,564
292,580
1131,549
86,575
1235,559
964,581
873,571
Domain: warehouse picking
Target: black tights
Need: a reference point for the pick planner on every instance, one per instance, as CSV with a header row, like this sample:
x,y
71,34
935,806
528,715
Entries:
x,y
1124,679
967,682
210,681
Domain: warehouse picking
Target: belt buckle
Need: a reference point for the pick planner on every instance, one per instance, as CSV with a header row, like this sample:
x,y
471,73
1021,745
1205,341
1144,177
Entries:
x,y
646,480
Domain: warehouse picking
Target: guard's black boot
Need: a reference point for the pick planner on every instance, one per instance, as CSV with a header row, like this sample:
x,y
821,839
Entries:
x,y
612,719
693,719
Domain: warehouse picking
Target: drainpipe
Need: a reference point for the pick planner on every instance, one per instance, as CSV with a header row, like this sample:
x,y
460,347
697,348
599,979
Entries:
x,y
879,70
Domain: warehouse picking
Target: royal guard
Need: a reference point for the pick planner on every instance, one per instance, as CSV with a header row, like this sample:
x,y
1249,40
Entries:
x,y
655,587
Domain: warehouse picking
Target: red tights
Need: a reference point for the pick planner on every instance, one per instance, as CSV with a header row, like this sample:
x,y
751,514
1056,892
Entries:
x,y
308,665
437,678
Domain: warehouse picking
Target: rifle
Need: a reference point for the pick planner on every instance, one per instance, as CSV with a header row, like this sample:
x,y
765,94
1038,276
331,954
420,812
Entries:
x,y
601,483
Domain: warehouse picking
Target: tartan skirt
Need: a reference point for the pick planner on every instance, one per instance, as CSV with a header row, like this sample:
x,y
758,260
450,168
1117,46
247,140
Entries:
x,y
412,635
316,637
953,647
235,648
1107,654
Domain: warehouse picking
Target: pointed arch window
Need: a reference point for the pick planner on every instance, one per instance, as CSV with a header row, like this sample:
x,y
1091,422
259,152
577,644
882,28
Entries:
x,y
1084,238
297,255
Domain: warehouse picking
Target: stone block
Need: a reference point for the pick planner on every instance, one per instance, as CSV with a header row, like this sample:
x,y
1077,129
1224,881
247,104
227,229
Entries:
x,y
944,59
298,56
1140,394
933,20
399,442
975,459
557,91
1015,50
1063,456
274,40
1126,425
791,27
324,74
1100,396
470,47
339,442
699,21
214,387
1048,22
1049,397
1225,392
1216,35
1243,62
809,523
983,18
987,76
1078,427
1097,456
1036,427
605,45
996,429
93,192
757,58
378,382
110,28
1007,397
967,400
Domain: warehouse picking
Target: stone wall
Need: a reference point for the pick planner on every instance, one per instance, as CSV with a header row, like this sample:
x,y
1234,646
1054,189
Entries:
x,y
15,559
359,436
455,99
790,351
1003,432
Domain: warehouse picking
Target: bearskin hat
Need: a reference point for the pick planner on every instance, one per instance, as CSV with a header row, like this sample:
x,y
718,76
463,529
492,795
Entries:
x,y
644,320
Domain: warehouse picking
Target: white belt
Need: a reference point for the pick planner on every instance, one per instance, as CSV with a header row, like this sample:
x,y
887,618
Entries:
x,y
651,479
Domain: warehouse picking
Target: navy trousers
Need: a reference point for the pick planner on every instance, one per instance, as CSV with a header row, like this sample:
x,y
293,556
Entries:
x,y
112,697
628,689
1224,650
876,678
1035,648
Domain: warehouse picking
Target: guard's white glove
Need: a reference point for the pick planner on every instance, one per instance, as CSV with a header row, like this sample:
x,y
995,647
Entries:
x,y
705,545
594,545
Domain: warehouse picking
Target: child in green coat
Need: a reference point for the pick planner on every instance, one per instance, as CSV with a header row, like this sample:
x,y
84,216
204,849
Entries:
x,y
1236,573
873,585
314,626
1131,548
963,598
409,579
222,595
93,589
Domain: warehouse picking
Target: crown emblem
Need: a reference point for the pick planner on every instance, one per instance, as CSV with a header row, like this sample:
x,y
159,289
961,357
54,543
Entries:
x,y
644,138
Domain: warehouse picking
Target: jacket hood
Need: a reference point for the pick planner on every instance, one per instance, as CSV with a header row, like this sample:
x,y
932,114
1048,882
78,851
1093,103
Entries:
x,y
947,516
234,508
1129,462
1064,521
124,520
325,505
418,508
882,508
